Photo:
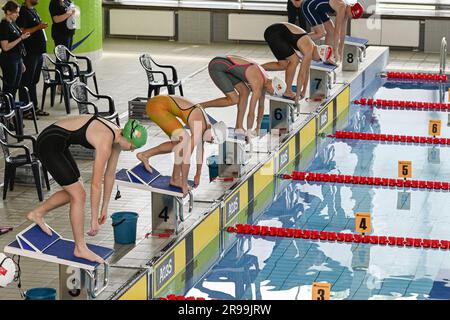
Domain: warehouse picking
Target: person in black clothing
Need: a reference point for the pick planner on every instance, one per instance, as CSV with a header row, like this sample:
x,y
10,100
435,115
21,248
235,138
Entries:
x,y
35,45
294,11
61,10
13,50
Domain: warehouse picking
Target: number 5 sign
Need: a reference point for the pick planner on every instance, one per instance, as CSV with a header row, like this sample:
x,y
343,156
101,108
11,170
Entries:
x,y
321,291
405,169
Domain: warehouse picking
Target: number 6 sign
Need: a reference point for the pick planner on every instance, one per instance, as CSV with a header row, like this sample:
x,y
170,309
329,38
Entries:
x,y
405,169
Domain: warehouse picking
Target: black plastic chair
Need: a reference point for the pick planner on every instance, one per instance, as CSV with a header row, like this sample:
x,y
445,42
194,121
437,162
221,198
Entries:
x,y
81,92
13,162
63,54
21,107
7,113
64,80
155,85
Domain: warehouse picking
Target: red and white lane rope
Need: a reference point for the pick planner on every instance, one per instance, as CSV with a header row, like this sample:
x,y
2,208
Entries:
x,y
175,297
362,180
265,231
402,104
389,137
416,76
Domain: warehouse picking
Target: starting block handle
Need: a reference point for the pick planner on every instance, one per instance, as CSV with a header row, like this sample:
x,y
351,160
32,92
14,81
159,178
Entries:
x,y
331,79
93,282
363,53
191,202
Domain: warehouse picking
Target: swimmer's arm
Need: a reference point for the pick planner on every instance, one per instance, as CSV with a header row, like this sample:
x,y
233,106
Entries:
x,y
188,146
303,76
102,155
110,177
261,108
199,161
256,95
200,151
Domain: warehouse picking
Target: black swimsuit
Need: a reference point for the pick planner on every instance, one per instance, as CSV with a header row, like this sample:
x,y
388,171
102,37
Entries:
x,y
53,150
282,41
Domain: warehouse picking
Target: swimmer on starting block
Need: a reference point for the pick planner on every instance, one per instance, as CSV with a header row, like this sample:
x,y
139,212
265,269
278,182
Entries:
x,y
233,75
284,40
316,13
108,140
164,111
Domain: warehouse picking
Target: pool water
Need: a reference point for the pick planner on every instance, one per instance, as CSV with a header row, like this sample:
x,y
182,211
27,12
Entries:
x,y
273,268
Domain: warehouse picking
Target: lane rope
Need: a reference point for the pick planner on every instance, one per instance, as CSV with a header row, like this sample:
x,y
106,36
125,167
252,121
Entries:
x,y
175,297
363,180
402,104
389,137
415,76
280,232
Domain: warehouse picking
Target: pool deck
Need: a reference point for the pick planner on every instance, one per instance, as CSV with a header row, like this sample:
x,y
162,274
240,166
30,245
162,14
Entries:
x,y
134,267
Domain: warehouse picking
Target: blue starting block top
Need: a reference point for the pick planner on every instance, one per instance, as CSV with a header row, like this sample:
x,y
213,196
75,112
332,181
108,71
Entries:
x,y
138,177
322,66
54,249
141,174
233,135
34,239
360,42
283,98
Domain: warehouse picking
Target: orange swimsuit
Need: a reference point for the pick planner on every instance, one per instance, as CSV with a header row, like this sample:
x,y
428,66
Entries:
x,y
164,111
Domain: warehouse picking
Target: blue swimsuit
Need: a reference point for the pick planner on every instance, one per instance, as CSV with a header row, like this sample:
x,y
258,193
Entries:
x,y
316,11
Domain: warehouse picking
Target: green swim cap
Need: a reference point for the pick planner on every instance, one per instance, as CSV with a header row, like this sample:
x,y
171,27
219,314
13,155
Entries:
x,y
135,133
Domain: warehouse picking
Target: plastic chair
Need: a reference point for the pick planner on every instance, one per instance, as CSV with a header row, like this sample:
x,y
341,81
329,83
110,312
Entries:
x,y
21,107
81,92
155,85
13,162
63,54
63,76
7,114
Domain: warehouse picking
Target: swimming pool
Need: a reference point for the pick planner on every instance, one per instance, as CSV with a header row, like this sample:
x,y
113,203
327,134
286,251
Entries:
x,y
276,268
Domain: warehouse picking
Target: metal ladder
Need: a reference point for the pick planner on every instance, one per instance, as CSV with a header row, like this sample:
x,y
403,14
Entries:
x,y
443,58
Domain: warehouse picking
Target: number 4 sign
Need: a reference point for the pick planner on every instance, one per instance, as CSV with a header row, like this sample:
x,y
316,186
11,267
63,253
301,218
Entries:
x,y
363,223
321,291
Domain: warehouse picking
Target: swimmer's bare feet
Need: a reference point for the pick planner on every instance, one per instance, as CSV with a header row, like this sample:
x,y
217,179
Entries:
x,y
85,253
239,131
37,218
175,183
289,95
144,161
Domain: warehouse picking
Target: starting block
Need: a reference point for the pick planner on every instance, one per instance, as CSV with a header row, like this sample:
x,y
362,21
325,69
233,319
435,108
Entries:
x,y
283,113
233,156
321,81
79,278
167,200
354,53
